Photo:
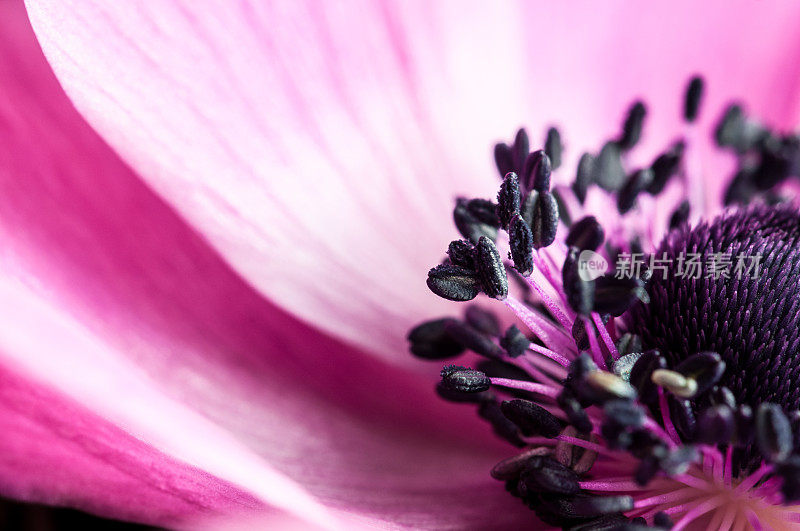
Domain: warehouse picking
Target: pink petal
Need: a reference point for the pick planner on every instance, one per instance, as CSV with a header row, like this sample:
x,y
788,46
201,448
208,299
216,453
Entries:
x,y
82,366
64,455
59,451
318,146
150,329
596,61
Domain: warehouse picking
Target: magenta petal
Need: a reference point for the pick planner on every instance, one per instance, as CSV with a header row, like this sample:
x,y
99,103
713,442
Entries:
x,y
49,162
318,146
40,340
148,328
54,451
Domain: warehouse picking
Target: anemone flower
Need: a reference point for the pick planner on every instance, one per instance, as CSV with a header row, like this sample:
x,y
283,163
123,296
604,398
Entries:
x,y
211,261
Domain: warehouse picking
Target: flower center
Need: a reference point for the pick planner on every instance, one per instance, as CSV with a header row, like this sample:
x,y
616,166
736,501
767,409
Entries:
x,y
747,309
655,396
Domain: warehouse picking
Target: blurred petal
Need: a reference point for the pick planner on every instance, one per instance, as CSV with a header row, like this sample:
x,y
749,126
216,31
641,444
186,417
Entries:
x,y
318,145
595,60
56,452
149,328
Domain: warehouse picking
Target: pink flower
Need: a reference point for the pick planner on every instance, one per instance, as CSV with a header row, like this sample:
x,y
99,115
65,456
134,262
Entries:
x,y
205,317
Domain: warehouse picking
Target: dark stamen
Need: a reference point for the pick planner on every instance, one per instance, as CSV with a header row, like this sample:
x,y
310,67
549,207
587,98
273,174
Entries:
x,y
596,505
608,171
473,339
461,397
642,373
624,413
632,128
694,95
484,211
737,131
580,293
745,425
665,167
545,220
575,413
628,344
683,416
773,432
544,474
584,176
716,425
623,365
662,519
515,342
553,147
521,243
538,169
680,215
705,368
789,472
531,418
638,182
563,208
503,158
430,340
520,149
512,467
491,271
508,199
721,395
470,226
463,379
585,234
461,253
453,283
528,206
616,295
